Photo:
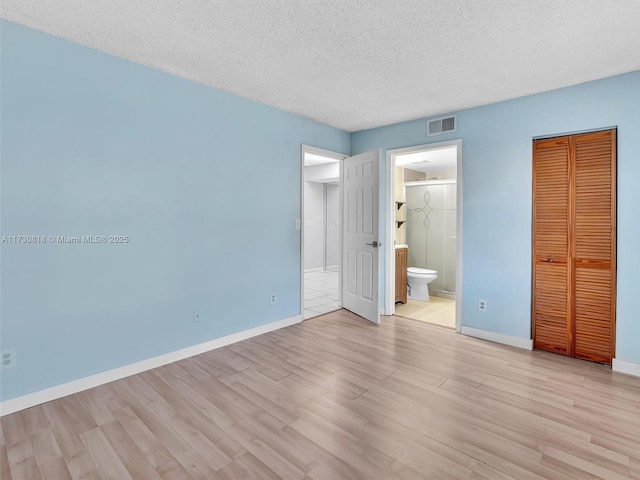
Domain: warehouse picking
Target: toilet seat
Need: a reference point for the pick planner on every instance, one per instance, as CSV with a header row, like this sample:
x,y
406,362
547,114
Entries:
x,y
421,271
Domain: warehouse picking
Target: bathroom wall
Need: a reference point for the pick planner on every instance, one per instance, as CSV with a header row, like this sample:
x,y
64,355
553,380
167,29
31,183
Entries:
x,y
204,185
441,174
402,175
413,175
496,184
399,212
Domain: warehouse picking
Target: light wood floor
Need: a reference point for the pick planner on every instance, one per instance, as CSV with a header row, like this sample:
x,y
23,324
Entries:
x,y
338,398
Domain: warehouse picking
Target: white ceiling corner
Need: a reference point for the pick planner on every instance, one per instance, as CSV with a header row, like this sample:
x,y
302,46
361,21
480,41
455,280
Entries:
x,y
358,64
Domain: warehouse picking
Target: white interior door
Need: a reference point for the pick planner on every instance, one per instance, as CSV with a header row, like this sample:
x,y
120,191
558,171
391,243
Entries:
x,y
360,243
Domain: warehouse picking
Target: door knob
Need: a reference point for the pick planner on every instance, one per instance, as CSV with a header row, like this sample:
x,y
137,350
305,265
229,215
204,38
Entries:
x,y
374,244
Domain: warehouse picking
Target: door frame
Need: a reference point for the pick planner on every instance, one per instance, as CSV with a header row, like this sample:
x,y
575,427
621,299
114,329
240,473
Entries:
x,y
390,267
300,222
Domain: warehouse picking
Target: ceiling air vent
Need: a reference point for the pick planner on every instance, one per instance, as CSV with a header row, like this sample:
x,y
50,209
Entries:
x,y
441,125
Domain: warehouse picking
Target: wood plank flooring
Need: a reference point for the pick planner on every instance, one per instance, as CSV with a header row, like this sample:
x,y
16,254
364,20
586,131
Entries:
x,y
339,398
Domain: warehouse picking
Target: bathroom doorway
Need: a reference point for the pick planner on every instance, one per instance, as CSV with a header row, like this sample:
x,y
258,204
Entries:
x,y
424,220
321,232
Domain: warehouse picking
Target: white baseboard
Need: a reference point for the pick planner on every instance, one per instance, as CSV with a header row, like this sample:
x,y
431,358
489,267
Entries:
x,y
75,386
449,295
629,368
498,337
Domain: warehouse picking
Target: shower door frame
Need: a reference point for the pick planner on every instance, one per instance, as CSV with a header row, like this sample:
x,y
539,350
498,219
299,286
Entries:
x,y
390,268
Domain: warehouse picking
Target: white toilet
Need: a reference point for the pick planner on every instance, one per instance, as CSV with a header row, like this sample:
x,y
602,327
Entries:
x,y
419,280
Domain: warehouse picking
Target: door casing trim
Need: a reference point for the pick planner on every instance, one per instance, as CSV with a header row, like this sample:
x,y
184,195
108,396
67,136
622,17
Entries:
x,y
329,154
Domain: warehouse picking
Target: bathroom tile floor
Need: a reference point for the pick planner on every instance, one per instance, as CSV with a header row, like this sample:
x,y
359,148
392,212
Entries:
x,y
439,311
321,296
320,292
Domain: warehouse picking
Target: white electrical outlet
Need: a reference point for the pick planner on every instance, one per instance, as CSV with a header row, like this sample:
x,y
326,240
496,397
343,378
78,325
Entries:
x,y
482,305
8,358
196,316
273,298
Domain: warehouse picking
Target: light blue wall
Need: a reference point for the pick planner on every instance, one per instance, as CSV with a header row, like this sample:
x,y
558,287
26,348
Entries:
x,y
207,187
205,184
497,180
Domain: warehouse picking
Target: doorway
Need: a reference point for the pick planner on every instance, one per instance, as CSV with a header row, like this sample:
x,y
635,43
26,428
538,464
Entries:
x,y
424,226
321,232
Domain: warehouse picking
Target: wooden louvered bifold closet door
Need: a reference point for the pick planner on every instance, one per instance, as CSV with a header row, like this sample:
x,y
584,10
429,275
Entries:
x,y
551,278
594,246
574,245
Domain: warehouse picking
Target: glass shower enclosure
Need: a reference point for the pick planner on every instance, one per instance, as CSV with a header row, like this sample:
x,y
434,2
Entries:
x,y
431,231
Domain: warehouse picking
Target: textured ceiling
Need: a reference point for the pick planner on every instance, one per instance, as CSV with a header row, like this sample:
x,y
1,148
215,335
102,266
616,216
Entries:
x,y
357,64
